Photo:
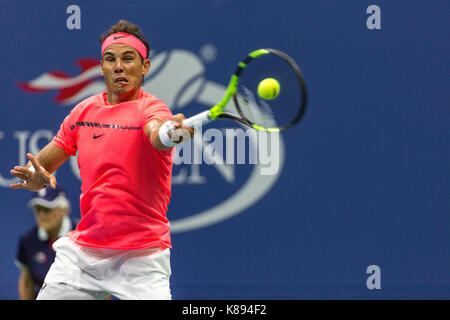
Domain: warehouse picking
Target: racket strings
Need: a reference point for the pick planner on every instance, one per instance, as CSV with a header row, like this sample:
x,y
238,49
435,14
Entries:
x,y
279,112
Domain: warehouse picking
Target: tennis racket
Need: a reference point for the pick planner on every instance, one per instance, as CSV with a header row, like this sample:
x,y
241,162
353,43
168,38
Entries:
x,y
270,115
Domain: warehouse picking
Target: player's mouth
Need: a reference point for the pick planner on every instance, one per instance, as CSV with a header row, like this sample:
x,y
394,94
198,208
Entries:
x,y
121,80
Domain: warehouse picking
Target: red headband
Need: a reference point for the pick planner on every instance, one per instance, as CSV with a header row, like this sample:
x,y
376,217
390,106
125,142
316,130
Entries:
x,y
127,39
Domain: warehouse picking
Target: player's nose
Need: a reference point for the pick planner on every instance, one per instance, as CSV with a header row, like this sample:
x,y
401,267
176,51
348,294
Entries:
x,y
118,66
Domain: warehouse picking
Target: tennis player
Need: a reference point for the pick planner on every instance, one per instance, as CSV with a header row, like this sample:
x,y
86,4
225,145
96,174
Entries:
x,y
121,246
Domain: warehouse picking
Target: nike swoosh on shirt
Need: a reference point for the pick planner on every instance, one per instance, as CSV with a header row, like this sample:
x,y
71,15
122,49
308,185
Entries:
x,y
96,137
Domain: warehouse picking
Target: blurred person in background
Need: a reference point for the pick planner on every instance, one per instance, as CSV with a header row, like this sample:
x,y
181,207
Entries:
x,y
35,254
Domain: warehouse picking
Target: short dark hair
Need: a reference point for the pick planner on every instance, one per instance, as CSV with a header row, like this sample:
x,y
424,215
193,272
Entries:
x,y
127,27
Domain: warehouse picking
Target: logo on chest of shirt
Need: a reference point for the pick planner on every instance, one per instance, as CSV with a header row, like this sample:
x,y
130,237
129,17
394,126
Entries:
x,y
40,257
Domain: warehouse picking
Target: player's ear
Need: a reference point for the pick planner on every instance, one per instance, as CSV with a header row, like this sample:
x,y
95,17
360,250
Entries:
x,y
101,68
146,67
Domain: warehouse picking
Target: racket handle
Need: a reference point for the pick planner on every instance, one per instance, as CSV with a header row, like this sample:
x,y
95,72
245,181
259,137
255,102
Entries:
x,y
167,128
201,118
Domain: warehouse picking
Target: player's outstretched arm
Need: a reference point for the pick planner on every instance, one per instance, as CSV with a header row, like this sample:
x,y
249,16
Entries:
x,y
38,172
179,134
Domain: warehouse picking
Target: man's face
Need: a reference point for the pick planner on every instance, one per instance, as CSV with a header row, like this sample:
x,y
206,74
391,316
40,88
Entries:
x,y
123,69
49,219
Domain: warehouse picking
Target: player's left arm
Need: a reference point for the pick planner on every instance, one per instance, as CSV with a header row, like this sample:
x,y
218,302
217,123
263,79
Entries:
x,y
180,134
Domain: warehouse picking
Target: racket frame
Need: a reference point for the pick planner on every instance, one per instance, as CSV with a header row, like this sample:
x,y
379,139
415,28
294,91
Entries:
x,y
217,111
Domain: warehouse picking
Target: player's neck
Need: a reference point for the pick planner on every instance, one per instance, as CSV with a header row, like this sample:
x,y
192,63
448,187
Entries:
x,y
119,97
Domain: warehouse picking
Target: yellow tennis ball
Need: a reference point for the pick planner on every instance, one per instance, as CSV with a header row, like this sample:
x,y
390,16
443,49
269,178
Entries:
x,y
269,89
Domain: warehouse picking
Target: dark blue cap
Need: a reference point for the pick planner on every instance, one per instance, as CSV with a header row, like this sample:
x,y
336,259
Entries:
x,y
49,198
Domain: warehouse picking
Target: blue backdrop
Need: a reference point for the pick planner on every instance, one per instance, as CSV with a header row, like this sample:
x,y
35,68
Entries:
x,y
363,180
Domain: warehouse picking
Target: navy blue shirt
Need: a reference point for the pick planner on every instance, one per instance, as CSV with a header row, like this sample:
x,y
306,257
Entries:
x,y
36,254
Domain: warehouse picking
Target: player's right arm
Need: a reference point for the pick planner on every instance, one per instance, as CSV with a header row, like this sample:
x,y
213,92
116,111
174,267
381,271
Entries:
x,y
26,285
38,172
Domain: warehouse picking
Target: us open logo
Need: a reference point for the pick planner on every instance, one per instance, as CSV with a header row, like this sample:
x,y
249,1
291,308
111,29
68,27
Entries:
x,y
228,169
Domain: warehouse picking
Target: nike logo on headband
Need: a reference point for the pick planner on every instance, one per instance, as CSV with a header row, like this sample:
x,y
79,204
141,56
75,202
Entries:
x,y
115,38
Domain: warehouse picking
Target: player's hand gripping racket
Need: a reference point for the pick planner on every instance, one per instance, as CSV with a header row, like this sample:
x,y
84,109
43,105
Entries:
x,y
268,91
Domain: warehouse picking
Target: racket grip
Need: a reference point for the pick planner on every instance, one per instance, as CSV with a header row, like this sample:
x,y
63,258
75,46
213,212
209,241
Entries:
x,y
198,119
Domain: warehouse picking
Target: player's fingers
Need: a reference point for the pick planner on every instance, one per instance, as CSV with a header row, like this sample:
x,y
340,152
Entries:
x,y
19,168
178,118
20,175
180,135
22,170
190,131
18,185
52,182
34,162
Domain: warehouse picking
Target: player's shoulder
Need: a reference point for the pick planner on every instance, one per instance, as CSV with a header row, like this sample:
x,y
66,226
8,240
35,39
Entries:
x,y
151,99
92,100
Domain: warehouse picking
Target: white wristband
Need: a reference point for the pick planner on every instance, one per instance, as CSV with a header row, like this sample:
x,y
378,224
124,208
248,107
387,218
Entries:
x,y
164,134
